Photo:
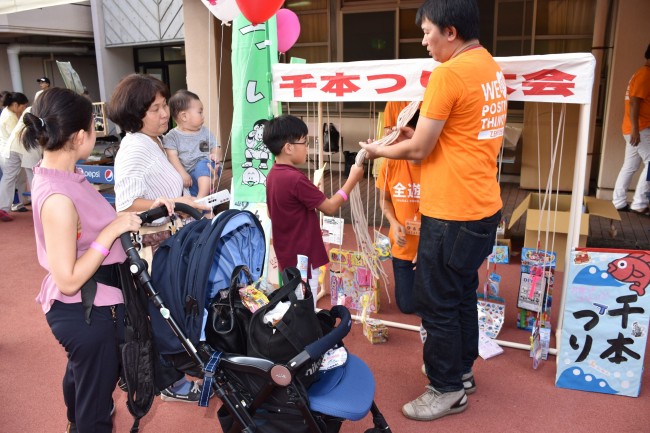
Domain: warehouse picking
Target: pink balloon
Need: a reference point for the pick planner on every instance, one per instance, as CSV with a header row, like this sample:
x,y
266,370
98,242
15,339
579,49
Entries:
x,y
288,29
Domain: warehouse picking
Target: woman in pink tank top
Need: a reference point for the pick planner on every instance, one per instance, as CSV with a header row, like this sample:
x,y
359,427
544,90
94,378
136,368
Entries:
x,y
76,231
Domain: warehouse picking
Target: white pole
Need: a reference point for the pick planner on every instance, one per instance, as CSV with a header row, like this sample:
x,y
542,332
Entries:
x,y
417,329
321,153
577,200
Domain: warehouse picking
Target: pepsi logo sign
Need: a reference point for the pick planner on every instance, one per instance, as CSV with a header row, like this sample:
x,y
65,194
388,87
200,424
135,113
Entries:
x,y
108,175
91,174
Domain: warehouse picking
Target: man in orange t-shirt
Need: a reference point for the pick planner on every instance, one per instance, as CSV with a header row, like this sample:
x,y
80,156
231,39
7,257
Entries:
x,y
636,131
458,137
399,183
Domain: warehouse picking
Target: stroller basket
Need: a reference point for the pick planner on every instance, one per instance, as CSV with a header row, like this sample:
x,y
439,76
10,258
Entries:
x,y
259,395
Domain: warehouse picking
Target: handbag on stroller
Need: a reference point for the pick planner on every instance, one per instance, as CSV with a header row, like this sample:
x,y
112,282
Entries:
x,y
260,394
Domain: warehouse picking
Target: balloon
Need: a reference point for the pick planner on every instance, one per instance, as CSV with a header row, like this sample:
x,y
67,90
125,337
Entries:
x,y
258,11
288,29
225,10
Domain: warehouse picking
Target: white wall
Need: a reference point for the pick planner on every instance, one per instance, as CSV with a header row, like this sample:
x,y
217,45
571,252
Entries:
x,y
5,77
71,20
352,129
112,63
631,38
202,53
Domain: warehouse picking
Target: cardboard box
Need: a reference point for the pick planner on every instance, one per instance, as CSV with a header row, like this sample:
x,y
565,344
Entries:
x,y
538,219
541,125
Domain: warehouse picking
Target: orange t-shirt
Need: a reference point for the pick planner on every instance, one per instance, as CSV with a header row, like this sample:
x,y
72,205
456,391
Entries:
x,y
639,87
459,177
401,181
391,112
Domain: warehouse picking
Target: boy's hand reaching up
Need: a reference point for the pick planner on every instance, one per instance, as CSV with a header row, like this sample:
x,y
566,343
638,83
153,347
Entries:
x,y
356,173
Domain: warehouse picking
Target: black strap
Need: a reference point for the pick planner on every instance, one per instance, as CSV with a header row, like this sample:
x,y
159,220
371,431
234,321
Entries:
x,y
233,291
106,274
293,338
291,279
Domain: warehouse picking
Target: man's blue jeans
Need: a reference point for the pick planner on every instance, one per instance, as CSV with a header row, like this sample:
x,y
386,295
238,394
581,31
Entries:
x,y
446,278
404,280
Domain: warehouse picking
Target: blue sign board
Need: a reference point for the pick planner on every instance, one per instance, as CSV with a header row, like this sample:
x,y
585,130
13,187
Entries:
x,y
605,325
98,173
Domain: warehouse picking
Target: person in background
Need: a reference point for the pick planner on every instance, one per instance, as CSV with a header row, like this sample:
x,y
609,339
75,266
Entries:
x,y
14,104
190,146
460,199
293,199
75,232
2,97
28,159
143,174
399,186
391,112
44,84
636,132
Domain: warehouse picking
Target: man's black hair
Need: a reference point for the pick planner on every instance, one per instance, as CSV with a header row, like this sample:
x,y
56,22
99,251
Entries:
x,y
281,130
647,52
463,15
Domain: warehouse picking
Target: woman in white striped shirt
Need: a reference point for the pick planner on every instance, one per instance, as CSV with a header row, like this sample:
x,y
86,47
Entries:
x,y
144,176
142,172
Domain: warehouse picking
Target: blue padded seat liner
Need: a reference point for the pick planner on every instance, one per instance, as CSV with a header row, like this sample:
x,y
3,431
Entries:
x,y
345,392
241,243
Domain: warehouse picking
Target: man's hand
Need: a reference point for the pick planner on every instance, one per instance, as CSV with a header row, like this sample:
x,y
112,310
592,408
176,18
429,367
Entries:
x,y
635,138
405,133
400,233
371,149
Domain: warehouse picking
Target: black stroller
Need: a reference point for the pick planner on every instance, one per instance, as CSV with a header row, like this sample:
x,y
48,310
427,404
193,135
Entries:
x,y
259,395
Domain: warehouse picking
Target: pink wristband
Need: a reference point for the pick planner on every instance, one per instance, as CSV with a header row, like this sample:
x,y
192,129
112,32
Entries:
x,y
100,248
342,194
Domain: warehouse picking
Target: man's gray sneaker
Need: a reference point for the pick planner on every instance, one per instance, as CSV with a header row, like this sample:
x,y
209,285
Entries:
x,y
468,383
434,404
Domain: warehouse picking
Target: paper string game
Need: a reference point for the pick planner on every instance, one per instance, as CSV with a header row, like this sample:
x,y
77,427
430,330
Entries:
x,y
536,288
350,279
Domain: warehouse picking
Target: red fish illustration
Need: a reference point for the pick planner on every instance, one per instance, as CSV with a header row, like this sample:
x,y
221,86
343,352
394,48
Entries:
x,y
634,269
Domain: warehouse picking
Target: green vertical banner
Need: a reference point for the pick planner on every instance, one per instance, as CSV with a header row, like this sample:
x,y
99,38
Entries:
x,y
254,51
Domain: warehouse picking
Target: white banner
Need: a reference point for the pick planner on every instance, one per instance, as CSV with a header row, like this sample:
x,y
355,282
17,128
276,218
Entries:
x,y
563,78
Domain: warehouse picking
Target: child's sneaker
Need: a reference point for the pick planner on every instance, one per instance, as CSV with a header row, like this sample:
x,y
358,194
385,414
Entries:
x,y
18,207
192,396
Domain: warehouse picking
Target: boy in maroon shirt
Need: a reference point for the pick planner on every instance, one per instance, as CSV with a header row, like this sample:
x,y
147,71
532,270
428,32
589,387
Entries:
x,y
292,198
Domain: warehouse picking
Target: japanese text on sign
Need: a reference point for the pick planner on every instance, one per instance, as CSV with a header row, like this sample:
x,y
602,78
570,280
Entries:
x,y
551,78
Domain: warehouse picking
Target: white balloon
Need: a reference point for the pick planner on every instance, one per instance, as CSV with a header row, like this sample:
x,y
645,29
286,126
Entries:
x,y
225,10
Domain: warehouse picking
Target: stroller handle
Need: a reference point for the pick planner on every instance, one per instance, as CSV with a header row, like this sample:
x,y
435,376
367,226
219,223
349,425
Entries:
x,y
138,268
147,217
336,335
161,211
